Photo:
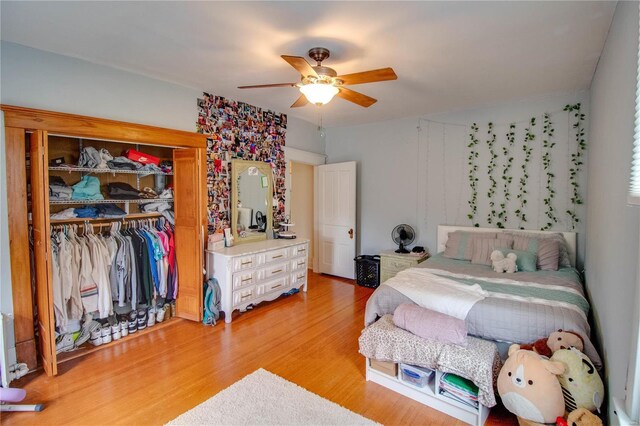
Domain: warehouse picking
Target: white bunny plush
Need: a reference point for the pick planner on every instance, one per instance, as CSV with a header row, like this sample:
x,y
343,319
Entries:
x,y
503,264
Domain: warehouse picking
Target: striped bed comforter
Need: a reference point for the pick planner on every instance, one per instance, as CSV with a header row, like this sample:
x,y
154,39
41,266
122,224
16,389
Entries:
x,y
519,308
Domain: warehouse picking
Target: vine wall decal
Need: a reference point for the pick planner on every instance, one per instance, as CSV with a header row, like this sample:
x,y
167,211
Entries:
x,y
522,187
548,143
473,169
506,177
576,161
493,184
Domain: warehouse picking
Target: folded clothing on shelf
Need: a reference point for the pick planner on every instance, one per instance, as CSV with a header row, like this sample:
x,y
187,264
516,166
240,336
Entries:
x,y
155,206
65,214
58,189
88,212
151,168
123,163
148,193
87,189
166,194
110,211
94,159
122,191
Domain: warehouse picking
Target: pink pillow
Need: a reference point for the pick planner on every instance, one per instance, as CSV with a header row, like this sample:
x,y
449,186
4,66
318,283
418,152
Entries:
x,y
430,324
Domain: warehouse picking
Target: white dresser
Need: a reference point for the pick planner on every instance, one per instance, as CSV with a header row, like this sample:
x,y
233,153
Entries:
x,y
254,272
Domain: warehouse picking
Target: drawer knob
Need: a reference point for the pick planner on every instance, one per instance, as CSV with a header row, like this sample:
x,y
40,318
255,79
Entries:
x,y
277,257
276,271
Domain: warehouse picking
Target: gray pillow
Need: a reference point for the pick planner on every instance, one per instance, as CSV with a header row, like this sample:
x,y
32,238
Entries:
x,y
483,247
547,250
564,259
460,243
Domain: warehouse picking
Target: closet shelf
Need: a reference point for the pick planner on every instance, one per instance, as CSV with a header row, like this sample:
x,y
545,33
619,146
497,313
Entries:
x,y
111,201
113,171
131,216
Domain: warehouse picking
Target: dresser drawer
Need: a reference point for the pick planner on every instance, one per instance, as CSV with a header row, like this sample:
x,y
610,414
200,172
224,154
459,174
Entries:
x,y
298,278
273,271
299,263
396,264
241,279
299,250
279,285
276,255
244,263
244,296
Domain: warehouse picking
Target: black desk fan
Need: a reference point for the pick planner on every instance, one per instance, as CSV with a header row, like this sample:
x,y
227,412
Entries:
x,y
403,235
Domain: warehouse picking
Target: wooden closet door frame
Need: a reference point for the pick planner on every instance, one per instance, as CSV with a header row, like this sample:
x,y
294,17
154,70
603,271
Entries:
x,y
190,224
37,124
42,249
22,295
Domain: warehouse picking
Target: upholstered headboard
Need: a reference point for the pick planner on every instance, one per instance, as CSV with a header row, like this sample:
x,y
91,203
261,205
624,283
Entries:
x,y
443,235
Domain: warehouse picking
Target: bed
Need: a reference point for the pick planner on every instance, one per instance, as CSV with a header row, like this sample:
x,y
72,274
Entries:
x,y
516,308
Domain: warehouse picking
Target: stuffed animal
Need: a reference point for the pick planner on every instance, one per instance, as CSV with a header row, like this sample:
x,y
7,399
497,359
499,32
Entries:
x,y
564,340
529,388
557,340
583,417
503,264
581,384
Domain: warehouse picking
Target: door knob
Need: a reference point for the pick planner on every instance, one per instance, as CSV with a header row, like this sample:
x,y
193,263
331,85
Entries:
x,y
351,233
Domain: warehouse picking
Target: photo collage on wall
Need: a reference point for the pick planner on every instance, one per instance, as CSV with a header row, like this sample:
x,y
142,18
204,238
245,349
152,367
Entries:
x,y
236,130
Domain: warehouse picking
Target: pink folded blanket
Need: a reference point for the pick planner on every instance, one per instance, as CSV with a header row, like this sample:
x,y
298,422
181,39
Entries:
x,y
430,324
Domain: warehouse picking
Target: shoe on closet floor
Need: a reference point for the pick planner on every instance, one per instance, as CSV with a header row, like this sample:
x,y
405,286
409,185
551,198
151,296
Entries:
x,y
151,317
173,309
124,328
132,321
96,336
64,343
142,318
87,328
106,333
160,314
115,331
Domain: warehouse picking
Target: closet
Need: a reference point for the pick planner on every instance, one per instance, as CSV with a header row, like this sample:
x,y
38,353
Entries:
x,y
35,139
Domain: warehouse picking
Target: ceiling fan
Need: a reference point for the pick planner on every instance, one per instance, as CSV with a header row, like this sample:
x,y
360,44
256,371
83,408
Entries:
x,y
319,84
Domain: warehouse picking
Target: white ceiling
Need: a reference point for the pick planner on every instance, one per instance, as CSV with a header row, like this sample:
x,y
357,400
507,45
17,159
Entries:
x,y
448,55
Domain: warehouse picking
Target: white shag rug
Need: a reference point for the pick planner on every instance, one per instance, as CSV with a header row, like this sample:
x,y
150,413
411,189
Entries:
x,y
262,398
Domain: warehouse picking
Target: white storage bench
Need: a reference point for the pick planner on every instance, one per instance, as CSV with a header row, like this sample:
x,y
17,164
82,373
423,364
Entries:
x,y
479,362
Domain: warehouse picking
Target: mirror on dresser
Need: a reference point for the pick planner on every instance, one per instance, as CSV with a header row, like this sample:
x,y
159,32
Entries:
x,y
252,200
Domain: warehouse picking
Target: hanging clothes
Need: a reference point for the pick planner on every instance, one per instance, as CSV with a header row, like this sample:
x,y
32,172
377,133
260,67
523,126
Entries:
x,y
91,271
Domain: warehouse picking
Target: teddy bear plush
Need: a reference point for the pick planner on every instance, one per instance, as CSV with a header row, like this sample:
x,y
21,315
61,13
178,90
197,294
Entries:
x,y
557,340
500,263
529,387
583,417
581,384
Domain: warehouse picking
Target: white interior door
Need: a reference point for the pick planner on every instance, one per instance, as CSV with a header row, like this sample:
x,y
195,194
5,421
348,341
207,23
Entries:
x,y
336,212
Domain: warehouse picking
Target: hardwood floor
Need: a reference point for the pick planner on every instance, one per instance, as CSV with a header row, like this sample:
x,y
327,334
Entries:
x,y
309,339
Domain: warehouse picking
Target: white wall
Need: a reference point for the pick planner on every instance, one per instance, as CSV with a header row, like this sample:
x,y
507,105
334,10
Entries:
x,y
419,176
612,226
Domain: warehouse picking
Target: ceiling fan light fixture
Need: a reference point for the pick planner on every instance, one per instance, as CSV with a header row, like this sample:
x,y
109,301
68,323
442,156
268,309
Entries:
x,y
319,93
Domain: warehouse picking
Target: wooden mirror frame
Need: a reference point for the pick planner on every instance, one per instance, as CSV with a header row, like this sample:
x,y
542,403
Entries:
x,y
237,167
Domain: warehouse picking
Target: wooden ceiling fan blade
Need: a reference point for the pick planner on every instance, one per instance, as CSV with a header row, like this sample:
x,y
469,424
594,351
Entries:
x,y
300,64
383,74
301,101
260,86
356,97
